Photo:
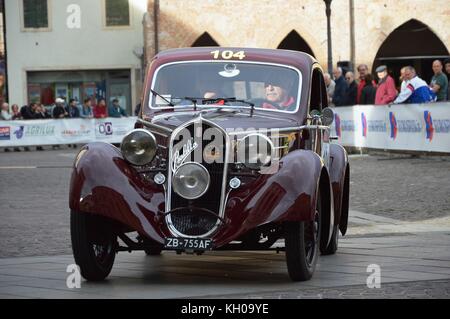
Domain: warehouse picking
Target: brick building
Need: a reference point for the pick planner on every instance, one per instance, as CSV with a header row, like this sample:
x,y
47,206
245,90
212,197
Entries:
x,y
392,32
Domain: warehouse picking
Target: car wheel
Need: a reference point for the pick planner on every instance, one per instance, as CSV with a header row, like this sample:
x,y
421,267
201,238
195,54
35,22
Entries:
x,y
94,245
302,240
333,245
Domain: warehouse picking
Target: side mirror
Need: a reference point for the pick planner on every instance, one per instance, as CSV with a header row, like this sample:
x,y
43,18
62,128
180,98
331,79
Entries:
x,y
327,116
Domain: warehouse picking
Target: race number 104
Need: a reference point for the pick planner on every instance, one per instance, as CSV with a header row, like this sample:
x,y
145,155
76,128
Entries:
x,y
228,54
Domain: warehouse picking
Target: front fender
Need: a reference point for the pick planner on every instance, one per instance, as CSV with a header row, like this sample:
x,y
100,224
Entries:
x,y
287,195
104,183
339,167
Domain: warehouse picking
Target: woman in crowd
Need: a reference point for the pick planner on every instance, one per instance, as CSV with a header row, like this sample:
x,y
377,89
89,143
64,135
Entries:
x,y
100,110
15,112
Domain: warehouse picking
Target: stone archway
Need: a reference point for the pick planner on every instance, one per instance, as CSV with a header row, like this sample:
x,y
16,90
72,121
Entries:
x,y
205,40
412,43
293,41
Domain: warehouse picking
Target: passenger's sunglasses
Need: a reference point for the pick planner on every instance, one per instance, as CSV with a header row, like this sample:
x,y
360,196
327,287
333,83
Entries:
x,y
272,84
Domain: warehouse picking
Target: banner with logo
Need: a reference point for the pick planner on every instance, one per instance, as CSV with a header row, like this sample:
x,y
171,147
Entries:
x,y
64,131
414,127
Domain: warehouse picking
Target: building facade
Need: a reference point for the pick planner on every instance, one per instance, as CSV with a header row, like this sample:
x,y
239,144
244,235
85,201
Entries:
x,y
74,49
373,32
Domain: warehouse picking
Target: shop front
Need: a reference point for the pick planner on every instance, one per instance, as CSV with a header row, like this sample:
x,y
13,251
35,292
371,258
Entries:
x,y
45,86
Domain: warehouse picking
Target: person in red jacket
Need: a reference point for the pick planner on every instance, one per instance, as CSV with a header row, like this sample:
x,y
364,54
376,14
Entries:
x,y
386,91
362,70
100,110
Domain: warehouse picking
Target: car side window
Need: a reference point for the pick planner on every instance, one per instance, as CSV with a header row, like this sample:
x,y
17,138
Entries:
x,y
318,99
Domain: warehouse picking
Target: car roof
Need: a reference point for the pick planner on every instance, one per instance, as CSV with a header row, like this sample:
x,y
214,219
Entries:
x,y
300,60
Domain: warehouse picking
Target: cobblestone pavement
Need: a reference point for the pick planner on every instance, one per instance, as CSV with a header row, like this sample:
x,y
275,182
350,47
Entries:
x,y
399,220
410,266
402,188
34,201
433,289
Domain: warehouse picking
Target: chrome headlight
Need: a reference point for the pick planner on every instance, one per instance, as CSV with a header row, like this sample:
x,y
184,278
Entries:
x,y
191,180
255,151
139,147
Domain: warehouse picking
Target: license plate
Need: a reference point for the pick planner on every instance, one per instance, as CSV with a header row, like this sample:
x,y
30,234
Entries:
x,y
188,243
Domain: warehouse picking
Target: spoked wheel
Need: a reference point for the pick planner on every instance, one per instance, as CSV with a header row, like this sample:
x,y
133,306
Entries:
x,y
94,245
302,241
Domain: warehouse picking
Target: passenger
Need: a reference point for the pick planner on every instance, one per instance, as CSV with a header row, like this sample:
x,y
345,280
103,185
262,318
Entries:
x,y
277,95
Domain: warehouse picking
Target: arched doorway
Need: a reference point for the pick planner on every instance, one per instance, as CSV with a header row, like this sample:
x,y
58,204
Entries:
x,y
293,41
205,40
413,43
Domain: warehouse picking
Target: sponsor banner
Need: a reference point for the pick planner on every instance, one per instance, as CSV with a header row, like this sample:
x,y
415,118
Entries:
x,y
65,131
415,127
5,133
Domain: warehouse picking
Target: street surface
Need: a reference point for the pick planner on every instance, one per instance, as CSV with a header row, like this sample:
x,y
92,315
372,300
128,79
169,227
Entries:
x,y
400,220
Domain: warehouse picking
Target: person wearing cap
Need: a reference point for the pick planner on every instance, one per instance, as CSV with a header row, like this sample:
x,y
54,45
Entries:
x,y
386,91
277,95
59,111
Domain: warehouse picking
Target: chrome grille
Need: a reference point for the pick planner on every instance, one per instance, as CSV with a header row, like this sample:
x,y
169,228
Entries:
x,y
192,222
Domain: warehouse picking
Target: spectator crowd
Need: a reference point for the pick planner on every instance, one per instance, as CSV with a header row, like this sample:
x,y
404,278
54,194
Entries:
x,y
346,90
342,89
61,110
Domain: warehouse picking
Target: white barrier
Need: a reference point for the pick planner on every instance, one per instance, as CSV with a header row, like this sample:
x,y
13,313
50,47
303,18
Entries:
x,y
64,131
415,127
412,127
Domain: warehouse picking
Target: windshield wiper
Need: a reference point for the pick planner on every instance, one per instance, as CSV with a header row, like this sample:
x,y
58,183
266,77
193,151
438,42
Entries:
x,y
165,100
228,99
195,100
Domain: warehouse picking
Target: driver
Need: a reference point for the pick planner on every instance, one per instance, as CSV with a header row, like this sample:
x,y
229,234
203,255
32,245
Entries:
x,y
277,94
209,89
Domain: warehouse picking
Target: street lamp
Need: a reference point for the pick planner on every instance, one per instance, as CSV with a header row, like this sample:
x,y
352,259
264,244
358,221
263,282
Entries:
x,y
330,56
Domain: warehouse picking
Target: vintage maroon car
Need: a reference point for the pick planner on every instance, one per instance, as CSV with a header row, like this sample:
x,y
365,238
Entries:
x,y
231,150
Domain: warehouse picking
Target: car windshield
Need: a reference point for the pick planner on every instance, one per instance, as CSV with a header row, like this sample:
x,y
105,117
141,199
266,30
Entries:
x,y
208,84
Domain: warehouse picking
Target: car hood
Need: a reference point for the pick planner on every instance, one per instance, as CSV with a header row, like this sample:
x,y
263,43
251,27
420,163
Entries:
x,y
227,120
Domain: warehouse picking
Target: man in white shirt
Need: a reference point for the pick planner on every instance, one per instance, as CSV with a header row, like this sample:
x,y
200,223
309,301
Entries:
x,y
414,90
